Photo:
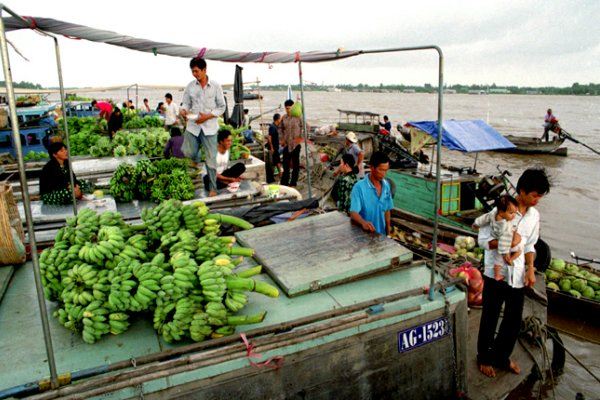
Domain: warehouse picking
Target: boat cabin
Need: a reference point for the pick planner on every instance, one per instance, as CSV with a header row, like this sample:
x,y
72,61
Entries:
x,y
358,121
81,109
458,204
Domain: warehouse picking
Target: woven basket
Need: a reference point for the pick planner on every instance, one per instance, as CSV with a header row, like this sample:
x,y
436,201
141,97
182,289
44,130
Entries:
x,y
9,218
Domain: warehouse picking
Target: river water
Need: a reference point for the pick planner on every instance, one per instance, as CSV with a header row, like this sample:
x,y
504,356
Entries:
x,y
570,213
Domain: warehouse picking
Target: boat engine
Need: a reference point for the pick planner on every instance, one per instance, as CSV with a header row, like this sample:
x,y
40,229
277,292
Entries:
x,y
490,188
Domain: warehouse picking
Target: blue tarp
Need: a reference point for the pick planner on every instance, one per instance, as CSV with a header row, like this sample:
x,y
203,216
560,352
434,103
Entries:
x,y
467,135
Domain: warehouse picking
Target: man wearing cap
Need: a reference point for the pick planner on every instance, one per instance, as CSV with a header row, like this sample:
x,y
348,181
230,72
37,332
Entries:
x,y
351,147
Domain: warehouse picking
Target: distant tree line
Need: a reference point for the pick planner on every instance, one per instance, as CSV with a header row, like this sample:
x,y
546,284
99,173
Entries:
x,y
578,89
23,85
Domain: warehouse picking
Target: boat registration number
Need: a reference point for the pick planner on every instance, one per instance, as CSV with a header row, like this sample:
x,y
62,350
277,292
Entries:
x,y
423,334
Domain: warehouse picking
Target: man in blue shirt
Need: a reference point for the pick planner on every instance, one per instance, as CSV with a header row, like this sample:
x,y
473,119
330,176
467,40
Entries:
x,y
371,198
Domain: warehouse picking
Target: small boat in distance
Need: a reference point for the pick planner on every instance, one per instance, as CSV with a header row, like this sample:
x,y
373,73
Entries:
x,y
532,145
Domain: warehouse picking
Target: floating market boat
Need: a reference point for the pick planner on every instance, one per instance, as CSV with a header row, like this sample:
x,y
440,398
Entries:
x,y
32,130
531,145
353,321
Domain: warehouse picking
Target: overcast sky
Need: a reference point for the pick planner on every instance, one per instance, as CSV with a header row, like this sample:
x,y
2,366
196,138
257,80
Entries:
x,y
537,43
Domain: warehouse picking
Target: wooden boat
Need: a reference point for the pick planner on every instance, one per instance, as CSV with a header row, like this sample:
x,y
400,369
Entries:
x,y
532,145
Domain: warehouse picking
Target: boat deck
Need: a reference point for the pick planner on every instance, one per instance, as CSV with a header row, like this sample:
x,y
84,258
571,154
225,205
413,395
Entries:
x,y
21,339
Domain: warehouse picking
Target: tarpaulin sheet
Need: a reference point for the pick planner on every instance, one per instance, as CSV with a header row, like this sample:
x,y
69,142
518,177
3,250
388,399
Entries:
x,y
467,136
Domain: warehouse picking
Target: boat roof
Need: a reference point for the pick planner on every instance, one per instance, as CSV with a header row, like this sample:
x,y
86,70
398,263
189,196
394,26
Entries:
x,y
465,135
36,110
366,113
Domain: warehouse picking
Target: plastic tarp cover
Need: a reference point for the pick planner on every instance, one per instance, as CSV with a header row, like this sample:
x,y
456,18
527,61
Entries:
x,y
467,136
261,213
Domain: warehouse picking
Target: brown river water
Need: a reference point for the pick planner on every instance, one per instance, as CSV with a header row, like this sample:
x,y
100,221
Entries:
x,y
570,213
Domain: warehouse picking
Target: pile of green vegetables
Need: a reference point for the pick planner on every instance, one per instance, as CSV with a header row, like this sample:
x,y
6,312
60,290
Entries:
x,y
155,180
174,267
36,156
88,137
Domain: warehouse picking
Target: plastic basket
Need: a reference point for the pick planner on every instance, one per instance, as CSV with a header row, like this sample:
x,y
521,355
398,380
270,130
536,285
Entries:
x,y
10,252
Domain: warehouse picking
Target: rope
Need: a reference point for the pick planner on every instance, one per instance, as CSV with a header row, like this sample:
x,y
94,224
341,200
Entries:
x,y
539,332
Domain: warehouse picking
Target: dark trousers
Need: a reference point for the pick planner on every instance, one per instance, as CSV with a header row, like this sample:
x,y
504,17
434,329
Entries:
x,y
291,160
495,349
235,171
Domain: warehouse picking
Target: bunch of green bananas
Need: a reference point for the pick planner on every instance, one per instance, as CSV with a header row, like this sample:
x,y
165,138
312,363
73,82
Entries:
x,y
78,284
217,313
111,218
148,276
118,322
163,218
121,288
95,322
184,271
212,281
211,227
185,241
53,265
193,216
172,320
199,327
143,177
209,246
121,187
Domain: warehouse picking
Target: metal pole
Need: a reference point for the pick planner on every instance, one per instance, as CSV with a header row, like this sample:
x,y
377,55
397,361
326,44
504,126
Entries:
x,y
438,173
308,180
136,96
260,123
65,124
10,91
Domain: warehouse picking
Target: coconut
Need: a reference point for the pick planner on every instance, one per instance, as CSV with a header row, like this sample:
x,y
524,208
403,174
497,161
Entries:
x,y
575,293
553,286
565,285
588,292
578,284
557,264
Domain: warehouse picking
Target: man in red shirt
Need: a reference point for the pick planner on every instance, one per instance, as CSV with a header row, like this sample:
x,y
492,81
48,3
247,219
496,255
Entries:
x,y
104,107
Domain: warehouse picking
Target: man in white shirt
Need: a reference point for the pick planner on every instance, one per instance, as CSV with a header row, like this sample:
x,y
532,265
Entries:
x,y
171,112
225,173
204,99
493,351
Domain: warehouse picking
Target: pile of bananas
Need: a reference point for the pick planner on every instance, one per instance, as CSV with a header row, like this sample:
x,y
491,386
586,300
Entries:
x,y
102,270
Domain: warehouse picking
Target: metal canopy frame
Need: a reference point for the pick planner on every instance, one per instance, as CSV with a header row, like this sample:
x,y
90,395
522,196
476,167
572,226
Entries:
x,y
23,179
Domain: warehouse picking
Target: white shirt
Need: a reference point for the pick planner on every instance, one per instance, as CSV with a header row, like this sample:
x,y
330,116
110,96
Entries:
x,y
171,112
528,226
222,161
207,100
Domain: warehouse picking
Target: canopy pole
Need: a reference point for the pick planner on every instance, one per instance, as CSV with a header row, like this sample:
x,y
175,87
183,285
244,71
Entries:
x,y
65,124
260,123
438,172
308,180
10,91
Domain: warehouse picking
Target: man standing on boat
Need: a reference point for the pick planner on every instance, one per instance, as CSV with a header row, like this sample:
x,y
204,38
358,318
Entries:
x,y
494,350
171,112
203,98
290,138
549,122
371,199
